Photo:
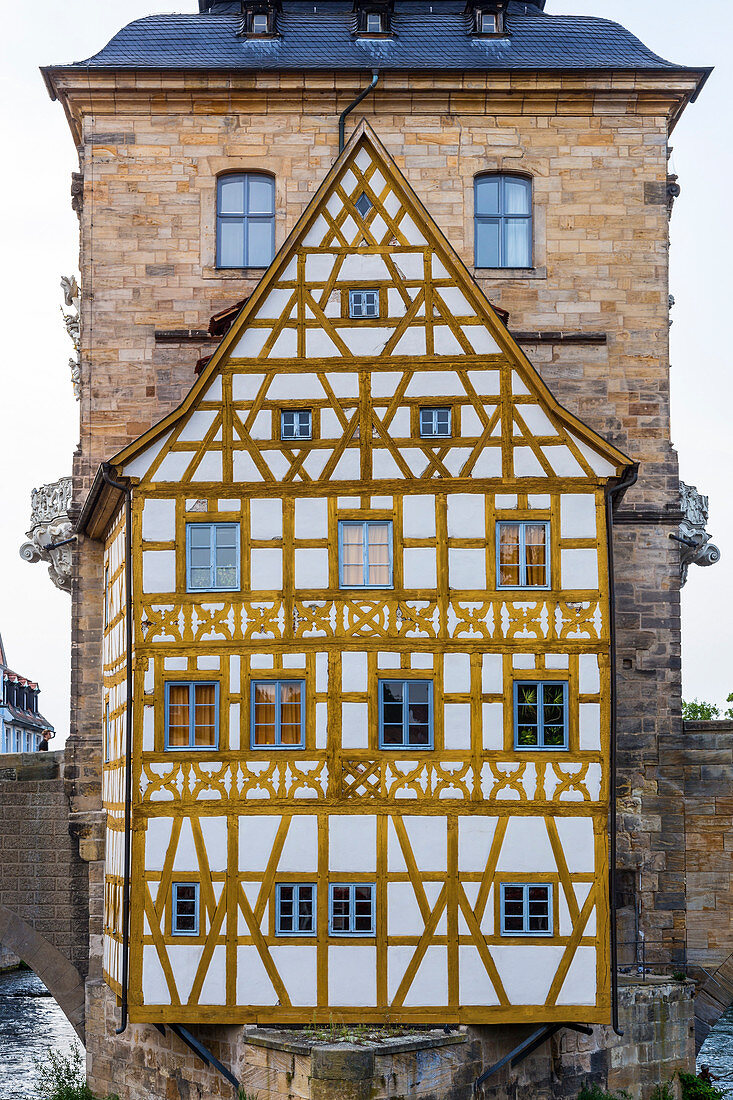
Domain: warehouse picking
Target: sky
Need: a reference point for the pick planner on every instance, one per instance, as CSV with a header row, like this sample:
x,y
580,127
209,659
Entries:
x,y
39,423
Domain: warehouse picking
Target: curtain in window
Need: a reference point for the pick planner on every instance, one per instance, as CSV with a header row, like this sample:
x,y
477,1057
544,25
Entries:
x,y
509,554
290,714
265,716
205,715
535,548
352,546
378,535
179,723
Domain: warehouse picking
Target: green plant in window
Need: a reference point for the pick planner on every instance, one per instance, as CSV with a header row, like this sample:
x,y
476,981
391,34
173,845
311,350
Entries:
x,y
527,715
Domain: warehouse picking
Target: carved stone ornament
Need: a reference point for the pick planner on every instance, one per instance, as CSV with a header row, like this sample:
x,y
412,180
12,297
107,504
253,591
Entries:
x,y
695,545
50,524
72,298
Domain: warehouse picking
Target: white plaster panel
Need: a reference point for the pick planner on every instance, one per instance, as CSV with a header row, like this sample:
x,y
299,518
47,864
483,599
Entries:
x,y
403,912
148,729
435,384
444,342
266,518
589,678
487,383
563,462
590,726
159,520
428,841
214,988
384,466
175,664
492,673
467,569
159,571
365,341
419,568
421,660
352,843
577,516
311,568
388,660
395,304
256,837
251,344
244,467
466,516
475,836
410,264
598,464
274,304
457,725
481,340
266,570
214,831
526,463
331,426
527,971
253,983
139,466
476,987
291,387
348,467
576,836
245,386
208,664
385,382
344,385
293,660
539,500
456,301
318,344
430,984
492,717
300,851
297,966
557,661
197,425
228,505
579,569
157,839
488,463
579,987
234,727
354,726
352,975
418,517
235,664
318,267
363,265
536,420
505,500
261,660
526,847
155,987
311,518
321,672
457,672
410,231
524,660
209,468
354,671
261,426
471,423
321,725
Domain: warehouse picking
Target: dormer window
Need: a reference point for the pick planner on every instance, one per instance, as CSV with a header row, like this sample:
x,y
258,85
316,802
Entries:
x,y
258,18
373,17
260,23
486,17
374,23
489,23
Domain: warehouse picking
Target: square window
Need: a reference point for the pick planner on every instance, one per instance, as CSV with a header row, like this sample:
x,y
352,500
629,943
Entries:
x,y
212,557
406,714
296,424
259,23
365,554
523,555
277,716
192,715
541,714
351,910
363,204
363,303
526,909
435,423
295,909
185,909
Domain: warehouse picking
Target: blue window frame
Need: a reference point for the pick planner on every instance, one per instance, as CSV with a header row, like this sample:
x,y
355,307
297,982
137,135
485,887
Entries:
x,y
351,909
192,715
296,424
295,909
365,554
540,714
526,909
502,221
277,714
245,220
106,596
435,423
107,734
185,909
363,303
523,555
405,714
212,557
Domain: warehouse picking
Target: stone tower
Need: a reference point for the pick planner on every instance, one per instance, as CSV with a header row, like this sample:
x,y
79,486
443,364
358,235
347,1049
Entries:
x,y
463,95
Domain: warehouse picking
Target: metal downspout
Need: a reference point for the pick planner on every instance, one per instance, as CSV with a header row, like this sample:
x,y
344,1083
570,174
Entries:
x,y
629,478
125,488
355,103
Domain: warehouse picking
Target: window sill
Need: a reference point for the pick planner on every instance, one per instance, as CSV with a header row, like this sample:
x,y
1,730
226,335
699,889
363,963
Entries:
x,y
510,272
255,273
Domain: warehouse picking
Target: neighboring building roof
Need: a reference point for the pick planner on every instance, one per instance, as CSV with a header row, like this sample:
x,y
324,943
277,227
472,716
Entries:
x,y
27,718
427,35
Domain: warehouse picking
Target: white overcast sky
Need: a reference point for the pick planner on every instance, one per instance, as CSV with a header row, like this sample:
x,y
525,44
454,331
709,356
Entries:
x,y
39,417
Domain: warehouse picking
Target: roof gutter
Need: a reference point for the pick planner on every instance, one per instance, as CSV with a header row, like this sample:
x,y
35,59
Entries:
x,y
614,492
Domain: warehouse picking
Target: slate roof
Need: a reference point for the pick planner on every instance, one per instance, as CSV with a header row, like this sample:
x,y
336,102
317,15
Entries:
x,y
423,39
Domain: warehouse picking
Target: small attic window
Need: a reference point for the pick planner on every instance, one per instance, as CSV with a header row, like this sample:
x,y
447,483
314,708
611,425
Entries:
x,y
374,22
258,18
486,18
488,22
373,17
260,23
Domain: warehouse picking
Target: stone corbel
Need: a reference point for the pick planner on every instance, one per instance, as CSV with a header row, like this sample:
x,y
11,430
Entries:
x,y
695,545
51,526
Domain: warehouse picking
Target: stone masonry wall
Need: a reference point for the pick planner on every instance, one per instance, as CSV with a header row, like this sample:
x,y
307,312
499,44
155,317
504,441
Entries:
x,y
656,1016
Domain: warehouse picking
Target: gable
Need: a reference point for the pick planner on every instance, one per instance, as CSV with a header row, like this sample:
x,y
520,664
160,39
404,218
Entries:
x,y
434,341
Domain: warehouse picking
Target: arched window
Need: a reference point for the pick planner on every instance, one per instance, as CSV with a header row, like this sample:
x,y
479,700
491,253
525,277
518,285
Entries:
x,y
502,221
245,220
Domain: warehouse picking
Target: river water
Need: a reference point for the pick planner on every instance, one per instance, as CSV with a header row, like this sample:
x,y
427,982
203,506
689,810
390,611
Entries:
x,y
30,1023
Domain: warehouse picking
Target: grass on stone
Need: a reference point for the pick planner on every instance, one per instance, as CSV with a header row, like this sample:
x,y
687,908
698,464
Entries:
x,y
595,1092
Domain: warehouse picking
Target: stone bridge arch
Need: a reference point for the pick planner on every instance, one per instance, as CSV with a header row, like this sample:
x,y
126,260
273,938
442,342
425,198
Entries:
x,y
44,881
61,978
